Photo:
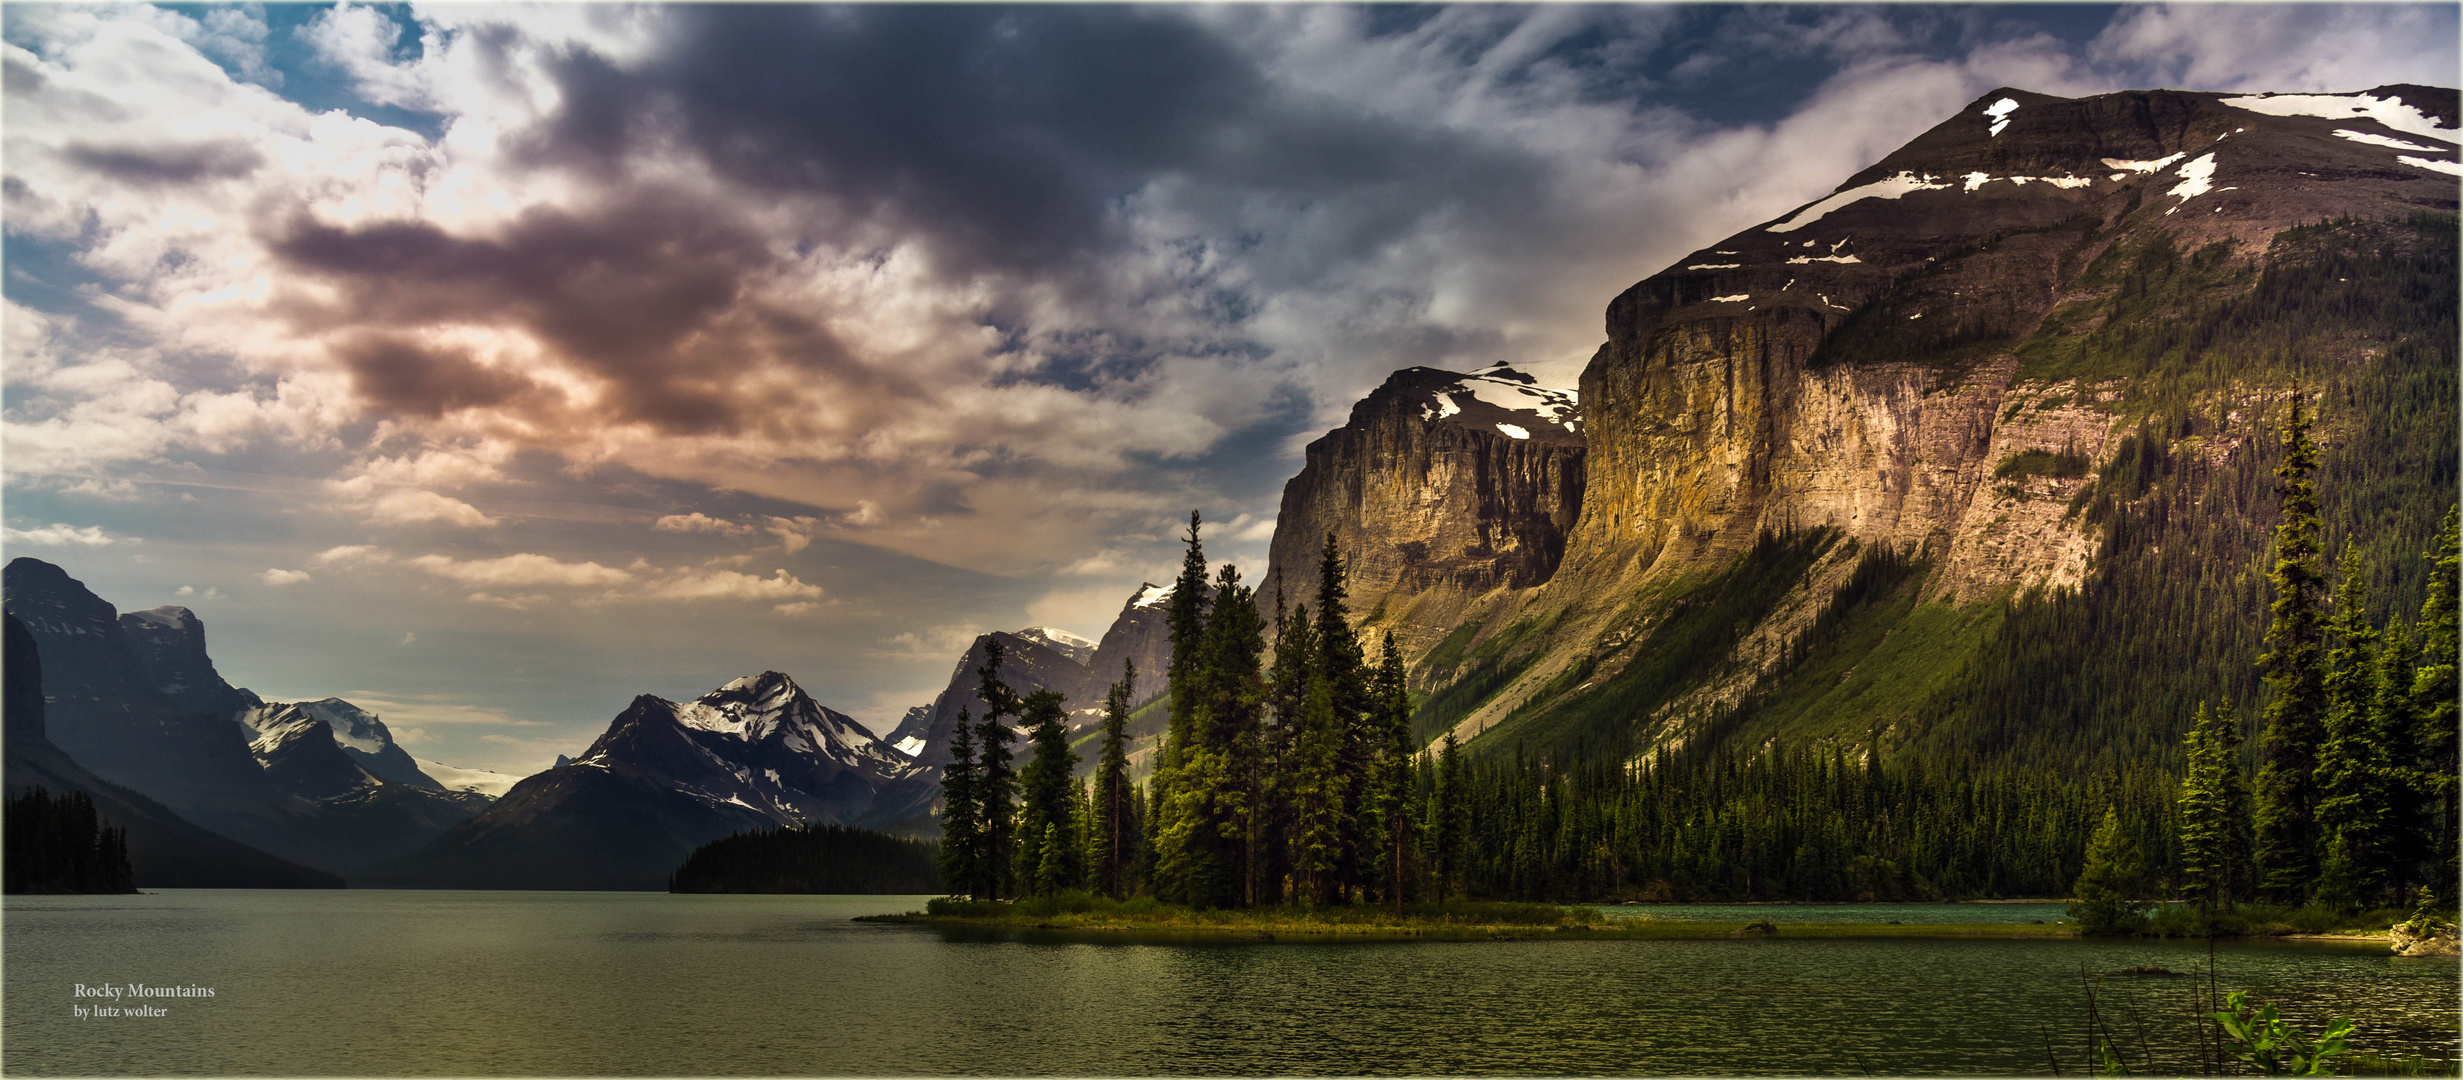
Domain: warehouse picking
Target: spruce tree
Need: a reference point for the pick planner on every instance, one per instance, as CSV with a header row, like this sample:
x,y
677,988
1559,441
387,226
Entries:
x,y
1397,826
1046,793
2433,706
996,782
1342,665
2109,896
1450,823
1232,712
2199,810
1177,765
2287,826
2353,795
1115,842
961,812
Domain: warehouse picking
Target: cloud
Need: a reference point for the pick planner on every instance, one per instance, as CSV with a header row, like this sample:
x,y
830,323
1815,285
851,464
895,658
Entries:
x,y
941,643
700,522
525,569
730,585
58,535
409,506
279,576
2284,47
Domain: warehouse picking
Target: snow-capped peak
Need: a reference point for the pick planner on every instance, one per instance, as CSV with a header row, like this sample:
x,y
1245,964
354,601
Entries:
x,y
1056,636
1546,391
1151,595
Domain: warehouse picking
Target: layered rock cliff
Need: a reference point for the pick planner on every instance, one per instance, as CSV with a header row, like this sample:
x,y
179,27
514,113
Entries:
x,y
1897,365
1443,487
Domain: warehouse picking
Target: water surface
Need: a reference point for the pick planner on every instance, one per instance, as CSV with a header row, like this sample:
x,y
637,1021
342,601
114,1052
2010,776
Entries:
x,y
491,983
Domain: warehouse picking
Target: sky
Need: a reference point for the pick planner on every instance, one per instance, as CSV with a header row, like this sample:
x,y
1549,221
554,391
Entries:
x,y
488,366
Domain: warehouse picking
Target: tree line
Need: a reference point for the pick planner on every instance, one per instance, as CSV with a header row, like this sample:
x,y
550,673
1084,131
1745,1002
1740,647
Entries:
x,y
808,859
2353,804
57,844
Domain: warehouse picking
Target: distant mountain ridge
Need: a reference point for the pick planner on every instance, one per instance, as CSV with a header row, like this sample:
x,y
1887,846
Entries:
x,y
668,776
136,698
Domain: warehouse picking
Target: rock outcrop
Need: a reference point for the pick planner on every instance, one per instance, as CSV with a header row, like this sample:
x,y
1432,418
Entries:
x,y
1443,487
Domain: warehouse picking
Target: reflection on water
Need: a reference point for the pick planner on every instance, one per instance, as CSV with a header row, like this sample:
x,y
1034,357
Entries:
x,y
368,982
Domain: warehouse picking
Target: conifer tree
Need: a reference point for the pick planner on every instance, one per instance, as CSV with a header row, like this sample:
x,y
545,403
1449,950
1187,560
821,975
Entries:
x,y
2433,706
1342,665
2109,894
1047,793
996,781
1450,822
2353,795
1397,825
2287,827
1115,842
2213,812
961,812
1233,712
1176,764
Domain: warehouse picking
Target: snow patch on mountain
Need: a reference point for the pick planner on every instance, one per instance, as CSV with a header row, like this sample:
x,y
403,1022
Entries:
x,y
2197,178
2391,112
1061,641
2000,112
2148,166
1887,188
2374,139
1150,595
2448,167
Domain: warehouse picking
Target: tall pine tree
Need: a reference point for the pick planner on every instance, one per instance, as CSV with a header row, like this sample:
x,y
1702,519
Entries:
x,y
2353,796
1115,841
996,782
961,813
2434,707
1397,825
2287,827
1047,795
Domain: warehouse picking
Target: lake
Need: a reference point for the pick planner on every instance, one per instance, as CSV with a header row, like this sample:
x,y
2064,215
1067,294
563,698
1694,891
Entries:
x,y
493,983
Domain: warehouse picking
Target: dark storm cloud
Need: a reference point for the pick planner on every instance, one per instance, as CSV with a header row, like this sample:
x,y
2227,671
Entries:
x,y
403,376
1007,137
648,293
167,164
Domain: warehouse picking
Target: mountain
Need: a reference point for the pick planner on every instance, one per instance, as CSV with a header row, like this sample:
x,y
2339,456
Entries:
x,y
137,699
1444,486
1027,665
163,850
359,733
1042,658
667,777
1823,465
106,710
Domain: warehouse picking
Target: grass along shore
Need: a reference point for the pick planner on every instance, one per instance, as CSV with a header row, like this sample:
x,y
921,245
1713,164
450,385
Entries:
x,y
1459,919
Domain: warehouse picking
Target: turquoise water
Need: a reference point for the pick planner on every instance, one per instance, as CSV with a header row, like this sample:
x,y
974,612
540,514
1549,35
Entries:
x,y
461,983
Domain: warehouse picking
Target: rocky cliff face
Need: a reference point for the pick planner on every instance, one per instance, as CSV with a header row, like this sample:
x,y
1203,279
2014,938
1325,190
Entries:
x,y
1868,363
1847,364
1443,487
